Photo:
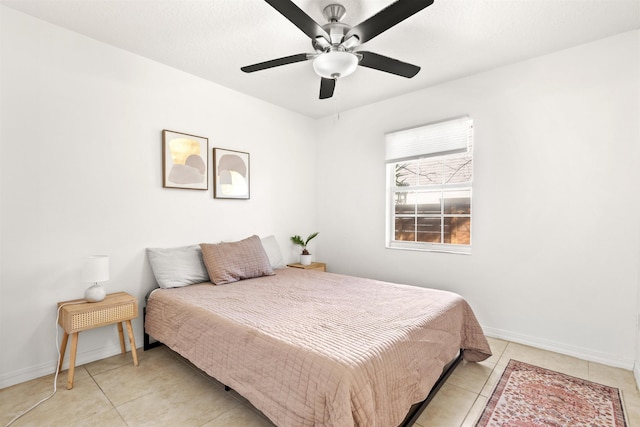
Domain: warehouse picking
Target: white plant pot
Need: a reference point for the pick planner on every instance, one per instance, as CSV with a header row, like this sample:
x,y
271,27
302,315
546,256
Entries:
x,y
305,259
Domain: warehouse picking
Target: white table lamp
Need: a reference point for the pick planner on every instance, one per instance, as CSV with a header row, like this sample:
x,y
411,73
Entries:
x,y
95,269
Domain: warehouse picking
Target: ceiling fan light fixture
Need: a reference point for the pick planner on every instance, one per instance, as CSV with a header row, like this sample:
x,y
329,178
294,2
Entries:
x,y
335,64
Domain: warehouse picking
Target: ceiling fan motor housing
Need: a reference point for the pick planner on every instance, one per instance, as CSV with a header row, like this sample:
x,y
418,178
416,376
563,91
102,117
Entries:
x,y
336,30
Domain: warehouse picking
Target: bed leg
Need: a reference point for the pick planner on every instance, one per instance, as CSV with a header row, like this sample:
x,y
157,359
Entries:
x,y
148,345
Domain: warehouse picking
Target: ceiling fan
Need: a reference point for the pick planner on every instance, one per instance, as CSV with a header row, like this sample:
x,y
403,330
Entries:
x,y
335,42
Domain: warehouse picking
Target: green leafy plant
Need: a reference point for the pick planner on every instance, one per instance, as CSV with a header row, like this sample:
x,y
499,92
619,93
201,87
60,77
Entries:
x,y
303,243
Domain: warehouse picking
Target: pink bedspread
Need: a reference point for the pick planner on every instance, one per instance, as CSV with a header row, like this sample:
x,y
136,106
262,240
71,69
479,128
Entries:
x,y
318,349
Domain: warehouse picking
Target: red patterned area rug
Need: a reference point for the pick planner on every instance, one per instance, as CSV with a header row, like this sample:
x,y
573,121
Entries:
x,y
530,396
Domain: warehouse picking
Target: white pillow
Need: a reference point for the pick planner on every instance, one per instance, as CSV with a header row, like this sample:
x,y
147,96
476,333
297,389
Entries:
x,y
272,249
176,267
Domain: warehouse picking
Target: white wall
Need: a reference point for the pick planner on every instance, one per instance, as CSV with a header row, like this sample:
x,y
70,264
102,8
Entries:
x,y
636,367
637,362
80,159
555,209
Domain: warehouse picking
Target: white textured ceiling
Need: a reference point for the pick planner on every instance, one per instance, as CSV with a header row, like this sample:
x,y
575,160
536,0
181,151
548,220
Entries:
x,y
450,39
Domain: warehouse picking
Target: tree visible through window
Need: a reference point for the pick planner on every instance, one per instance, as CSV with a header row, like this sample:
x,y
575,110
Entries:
x,y
429,193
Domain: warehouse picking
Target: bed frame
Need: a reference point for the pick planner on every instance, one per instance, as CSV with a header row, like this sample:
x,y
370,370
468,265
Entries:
x,y
417,409
148,345
413,414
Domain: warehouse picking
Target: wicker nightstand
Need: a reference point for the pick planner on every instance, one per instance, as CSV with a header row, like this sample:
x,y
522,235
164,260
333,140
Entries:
x,y
81,316
319,266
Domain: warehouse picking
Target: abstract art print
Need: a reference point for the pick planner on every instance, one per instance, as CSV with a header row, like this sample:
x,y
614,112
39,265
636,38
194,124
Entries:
x,y
184,161
230,174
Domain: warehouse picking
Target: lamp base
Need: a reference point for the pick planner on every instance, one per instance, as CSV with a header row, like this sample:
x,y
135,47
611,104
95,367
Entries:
x,y
95,293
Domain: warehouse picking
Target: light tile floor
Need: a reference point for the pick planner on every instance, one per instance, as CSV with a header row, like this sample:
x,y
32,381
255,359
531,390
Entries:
x,y
167,390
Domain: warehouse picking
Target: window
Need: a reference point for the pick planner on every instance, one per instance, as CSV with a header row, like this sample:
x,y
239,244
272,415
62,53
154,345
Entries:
x,y
429,180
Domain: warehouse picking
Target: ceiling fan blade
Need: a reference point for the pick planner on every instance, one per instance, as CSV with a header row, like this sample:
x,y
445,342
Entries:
x,y
275,62
326,88
388,65
387,18
299,18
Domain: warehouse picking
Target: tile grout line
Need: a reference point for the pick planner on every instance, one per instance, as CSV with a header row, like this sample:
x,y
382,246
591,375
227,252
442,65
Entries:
x,y
214,381
202,374
105,394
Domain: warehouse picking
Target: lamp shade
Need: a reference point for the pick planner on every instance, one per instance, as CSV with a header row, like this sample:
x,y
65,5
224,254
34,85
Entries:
x,y
95,268
335,64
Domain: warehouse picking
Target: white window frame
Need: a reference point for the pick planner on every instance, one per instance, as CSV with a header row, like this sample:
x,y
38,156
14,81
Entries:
x,y
431,140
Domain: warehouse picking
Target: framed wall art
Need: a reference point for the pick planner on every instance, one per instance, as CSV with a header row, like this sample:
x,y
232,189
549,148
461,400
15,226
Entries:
x,y
230,174
184,161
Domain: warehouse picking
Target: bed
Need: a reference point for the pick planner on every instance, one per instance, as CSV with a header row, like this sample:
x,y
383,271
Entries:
x,y
309,348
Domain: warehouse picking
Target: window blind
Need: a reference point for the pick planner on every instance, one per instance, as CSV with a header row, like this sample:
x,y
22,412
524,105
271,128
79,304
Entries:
x,y
435,139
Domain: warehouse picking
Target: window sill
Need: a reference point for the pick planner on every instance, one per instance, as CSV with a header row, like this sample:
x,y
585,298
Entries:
x,y
430,247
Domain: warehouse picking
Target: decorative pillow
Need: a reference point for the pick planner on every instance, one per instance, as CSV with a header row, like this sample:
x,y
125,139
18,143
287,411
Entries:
x,y
229,262
272,249
176,267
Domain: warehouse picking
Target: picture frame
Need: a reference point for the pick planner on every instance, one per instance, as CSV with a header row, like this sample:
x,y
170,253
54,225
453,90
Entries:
x,y
184,161
231,174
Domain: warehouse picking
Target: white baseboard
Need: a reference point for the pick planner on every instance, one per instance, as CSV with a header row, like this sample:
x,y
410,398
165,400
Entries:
x,y
636,374
581,353
48,368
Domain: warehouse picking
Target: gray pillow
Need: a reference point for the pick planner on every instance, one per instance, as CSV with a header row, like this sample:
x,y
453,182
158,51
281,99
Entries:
x,y
271,247
176,267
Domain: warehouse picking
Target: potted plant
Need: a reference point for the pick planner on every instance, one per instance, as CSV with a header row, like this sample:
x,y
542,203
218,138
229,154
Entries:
x,y
305,256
